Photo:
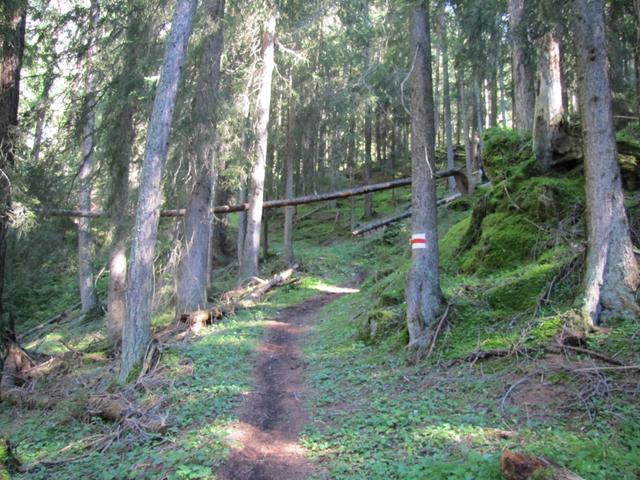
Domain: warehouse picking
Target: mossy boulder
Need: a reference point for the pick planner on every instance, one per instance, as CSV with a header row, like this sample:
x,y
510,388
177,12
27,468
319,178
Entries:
x,y
508,154
507,241
450,242
523,289
384,323
546,199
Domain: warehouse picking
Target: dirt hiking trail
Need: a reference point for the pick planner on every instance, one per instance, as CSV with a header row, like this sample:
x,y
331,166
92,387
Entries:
x,y
273,414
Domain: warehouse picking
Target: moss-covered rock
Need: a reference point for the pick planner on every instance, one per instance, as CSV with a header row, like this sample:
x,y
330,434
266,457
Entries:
x,y
507,241
548,198
450,242
523,289
508,154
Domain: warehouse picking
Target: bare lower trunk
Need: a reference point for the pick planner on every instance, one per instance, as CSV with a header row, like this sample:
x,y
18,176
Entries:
x,y
468,151
88,297
137,326
446,97
242,225
523,91
193,270
12,45
636,5
549,110
423,284
219,234
368,199
479,117
289,212
249,265
611,276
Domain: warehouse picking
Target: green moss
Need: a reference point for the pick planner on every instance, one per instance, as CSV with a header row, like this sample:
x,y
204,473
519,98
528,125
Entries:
x,y
449,244
507,240
548,198
508,154
522,290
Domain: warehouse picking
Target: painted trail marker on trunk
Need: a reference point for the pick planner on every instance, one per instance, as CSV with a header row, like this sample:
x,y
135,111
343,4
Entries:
x,y
419,241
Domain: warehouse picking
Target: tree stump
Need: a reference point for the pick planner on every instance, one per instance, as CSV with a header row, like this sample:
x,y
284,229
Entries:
x,y
518,466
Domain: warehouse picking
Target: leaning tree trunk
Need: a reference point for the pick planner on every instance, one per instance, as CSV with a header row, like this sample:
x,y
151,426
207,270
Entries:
x,y
249,265
193,270
287,248
611,276
523,91
12,44
88,297
446,98
423,284
549,109
137,326
120,141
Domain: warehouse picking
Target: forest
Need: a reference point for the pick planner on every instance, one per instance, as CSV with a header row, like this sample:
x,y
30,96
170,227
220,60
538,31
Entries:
x,y
321,239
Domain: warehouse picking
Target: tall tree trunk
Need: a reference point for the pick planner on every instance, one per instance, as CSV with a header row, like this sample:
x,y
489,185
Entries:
x,y
119,149
88,297
446,97
611,276
479,115
468,151
242,223
503,103
423,285
368,199
523,91
636,5
193,271
549,110
12,44
249,265
289,190
137,326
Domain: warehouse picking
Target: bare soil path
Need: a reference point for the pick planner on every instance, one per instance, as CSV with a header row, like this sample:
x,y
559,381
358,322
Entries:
x,y
272,416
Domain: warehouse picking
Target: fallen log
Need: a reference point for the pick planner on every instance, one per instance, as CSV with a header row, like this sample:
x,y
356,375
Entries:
x,y
56,318
518,466
396,218
461,181
245,296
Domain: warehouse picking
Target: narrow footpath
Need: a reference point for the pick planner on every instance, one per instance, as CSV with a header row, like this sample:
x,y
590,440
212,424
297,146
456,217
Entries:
x,y
273,414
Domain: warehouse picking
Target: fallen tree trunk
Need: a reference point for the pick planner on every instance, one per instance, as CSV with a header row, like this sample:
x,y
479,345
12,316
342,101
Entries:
x,y
518,466
461,181
56,318
244,297
396,218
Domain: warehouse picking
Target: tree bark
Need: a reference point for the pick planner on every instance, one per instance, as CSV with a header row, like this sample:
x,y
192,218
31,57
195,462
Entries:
x,y
287,248
423,285
636,5
137,326
242,224
549,111
368,198
249,265
468,151
12,44
193,271
88,296
446,98
611,276
523,91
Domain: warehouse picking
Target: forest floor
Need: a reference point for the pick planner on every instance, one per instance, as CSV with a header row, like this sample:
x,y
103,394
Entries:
x,y
314,383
